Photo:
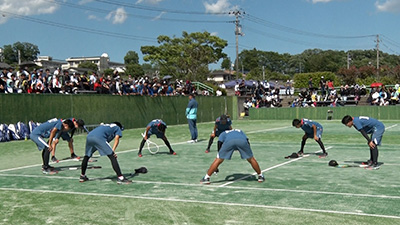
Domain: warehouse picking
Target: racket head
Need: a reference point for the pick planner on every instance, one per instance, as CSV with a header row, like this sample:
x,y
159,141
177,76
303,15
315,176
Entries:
x,y
152,147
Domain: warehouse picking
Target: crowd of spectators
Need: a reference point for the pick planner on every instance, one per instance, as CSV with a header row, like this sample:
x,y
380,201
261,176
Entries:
x,y
42,81
383,96
262,94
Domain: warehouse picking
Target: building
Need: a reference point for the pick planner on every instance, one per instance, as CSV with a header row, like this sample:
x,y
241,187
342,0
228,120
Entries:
x,y
221,76
103,62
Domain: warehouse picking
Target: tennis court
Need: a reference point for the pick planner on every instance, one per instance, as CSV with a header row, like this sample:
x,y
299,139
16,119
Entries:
x,y
296,191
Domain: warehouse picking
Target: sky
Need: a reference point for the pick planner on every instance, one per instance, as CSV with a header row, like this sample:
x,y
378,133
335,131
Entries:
x,y
82,28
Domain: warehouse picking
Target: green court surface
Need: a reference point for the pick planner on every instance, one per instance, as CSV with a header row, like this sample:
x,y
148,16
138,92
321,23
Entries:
x,y
296,191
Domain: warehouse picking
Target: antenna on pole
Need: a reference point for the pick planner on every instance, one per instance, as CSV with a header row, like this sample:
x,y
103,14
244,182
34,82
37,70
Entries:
x,y
238,31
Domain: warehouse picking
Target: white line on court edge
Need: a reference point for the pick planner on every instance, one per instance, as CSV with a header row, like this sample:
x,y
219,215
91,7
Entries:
x,y
202,186
260,131
391,127
270,168
204,202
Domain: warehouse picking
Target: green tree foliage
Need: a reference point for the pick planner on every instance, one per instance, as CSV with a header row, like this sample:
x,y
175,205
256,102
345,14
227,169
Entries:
x,y
187,57
28,52
226,64
135,70
301,79
88,65
131,57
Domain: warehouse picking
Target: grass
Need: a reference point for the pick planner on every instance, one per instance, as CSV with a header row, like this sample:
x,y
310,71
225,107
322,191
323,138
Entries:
x,y
301,191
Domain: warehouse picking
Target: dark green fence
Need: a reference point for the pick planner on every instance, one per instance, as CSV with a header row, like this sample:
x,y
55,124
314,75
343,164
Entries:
x,y
131,111
378,112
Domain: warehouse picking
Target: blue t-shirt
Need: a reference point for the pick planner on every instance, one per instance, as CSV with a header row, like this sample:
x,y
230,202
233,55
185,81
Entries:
x,y
154,126
369,125
45,128
232,134
106,132
223,127
307,126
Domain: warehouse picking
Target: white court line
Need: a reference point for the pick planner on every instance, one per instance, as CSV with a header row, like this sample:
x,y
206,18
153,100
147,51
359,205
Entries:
x,y
204,202
270,168
260,131
391,127
211,186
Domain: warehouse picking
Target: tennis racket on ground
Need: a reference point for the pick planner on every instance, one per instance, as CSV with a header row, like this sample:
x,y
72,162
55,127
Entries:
x,y
151,146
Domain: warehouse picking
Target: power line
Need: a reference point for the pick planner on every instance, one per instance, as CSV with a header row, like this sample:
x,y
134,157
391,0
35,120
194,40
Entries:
x,y
106,11
155,9
300,32
81,29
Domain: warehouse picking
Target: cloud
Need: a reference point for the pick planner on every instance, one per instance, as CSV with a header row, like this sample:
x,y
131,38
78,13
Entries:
x,y
214,33
153,2
118,16
25,8
218,7
388,6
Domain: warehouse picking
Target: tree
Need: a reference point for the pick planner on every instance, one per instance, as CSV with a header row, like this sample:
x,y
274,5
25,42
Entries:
x,y
187,57
135,70
88,65
28,52
131,57
226,64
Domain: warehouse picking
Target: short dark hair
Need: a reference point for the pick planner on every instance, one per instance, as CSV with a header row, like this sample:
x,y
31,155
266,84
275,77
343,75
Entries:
x,y
296,122
69,123
119,124
161,127
346,119
80,123
223,118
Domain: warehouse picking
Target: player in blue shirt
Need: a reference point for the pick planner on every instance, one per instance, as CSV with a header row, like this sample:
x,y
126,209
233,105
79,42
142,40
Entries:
x,y
98,140
156,127
228,142
67,136
366,125
222,124
313,130
191,115
50,129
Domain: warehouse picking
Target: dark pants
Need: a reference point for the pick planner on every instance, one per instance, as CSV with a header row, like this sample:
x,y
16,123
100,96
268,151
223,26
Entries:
x,y
193,128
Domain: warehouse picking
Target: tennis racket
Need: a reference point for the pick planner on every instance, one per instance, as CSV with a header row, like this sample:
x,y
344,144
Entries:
x,y
151,146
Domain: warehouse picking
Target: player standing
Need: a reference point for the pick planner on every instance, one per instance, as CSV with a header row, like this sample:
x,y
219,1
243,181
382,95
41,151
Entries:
x,y
222,124
366,125
313,130
156,127
191,115
228,142
49,129
98,140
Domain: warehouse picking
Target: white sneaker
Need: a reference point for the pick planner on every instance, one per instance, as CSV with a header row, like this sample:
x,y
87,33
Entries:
x,y
191,141
195,140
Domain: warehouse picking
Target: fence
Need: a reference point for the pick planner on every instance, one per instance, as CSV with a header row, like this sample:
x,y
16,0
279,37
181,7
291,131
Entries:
x,y
131,111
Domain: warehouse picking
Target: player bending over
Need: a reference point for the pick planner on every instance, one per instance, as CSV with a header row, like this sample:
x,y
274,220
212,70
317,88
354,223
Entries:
x,y
98,140
228,142
222,124
156,127
67,136
49,129
366,125
313,130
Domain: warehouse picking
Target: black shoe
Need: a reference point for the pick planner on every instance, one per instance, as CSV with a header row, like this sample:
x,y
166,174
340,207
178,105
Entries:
x,y
300,153
323,155
368,162
373,166
83,178
207,150
123,181
54,159
205,181
73,156
172,153
261,179
216,171
49,170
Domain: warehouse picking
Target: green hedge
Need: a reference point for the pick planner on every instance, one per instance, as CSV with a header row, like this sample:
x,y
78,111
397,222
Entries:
x,y
131,111
378,112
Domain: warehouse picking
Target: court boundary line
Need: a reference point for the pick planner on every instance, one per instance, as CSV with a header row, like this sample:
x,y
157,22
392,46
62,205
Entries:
x,y
211,186
205,202
271,168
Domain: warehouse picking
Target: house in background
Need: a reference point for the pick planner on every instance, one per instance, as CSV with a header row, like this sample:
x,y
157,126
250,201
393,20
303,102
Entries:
x,y
221,76
103,62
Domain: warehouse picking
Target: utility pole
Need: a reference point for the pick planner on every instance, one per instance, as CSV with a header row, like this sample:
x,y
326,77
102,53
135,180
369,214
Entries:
x,y
377,55
348,60
238,31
